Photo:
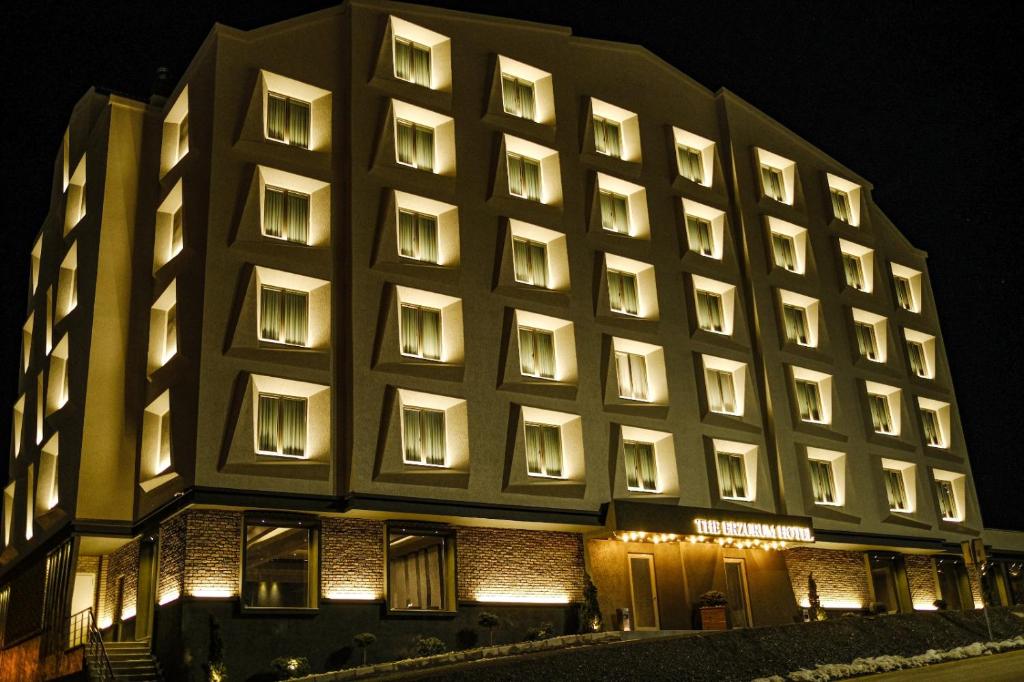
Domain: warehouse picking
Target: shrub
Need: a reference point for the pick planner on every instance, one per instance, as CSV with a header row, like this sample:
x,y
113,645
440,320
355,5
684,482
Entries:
x,y
940,604
428,646
216,671
543,631
490,621
589,610
364,640
712,598
289,667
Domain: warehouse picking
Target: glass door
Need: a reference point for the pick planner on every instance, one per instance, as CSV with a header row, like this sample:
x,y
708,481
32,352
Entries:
x,y
644,592
736,592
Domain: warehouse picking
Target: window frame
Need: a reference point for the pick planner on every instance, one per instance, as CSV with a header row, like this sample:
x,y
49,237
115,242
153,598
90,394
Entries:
x,y
286,194
280,398
731,458
827,467
532,245
623,276
412,46
690,152
312,525
420,309
601,140
889,477
640,487
778,177
541,455
416,129
535,331
417,216
524,161
420,449
280,323
711,296
290,105
641,364
518,84
945,492
449,564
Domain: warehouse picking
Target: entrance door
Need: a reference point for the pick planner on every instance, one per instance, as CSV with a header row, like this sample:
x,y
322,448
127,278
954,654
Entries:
x,y
736,592
644,592
953,583
889,581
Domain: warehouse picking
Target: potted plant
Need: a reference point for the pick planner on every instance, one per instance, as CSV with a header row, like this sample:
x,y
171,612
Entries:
x,y
713,610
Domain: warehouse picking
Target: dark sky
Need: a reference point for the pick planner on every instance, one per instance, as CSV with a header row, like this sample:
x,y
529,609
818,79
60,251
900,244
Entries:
x,y
915,96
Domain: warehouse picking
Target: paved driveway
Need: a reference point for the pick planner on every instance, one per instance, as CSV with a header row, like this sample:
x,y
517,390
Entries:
x,y
996,668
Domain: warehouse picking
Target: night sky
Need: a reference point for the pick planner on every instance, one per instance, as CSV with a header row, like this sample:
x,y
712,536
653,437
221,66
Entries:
x,y
916,97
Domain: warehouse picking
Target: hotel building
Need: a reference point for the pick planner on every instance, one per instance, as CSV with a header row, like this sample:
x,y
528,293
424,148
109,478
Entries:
x,y
388,315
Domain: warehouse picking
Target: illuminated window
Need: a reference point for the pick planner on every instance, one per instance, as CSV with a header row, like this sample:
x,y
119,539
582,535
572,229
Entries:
x,y
772,183
36,261
867,345
9,512
412,62
921,352
932,425
175,138
163,328
631,372
947,501
421,569
641,466
691,166
530,262
907,283
420,332
423,436
169,237
280,566
614,212
526,91
417,236
156,439
841,205
281,425
845,197
284,316
777,175
517,97
607,138
732,476
524,177
414,145
809,400
823,483
537,353
896,490
694,156
47,482
543,450
17,423
75,197
30,507
858,265
881,414
67,283
699,235
784,251
57,388
813,391
721,392
623,292
285,214
288,120
26,343
795,318
709,311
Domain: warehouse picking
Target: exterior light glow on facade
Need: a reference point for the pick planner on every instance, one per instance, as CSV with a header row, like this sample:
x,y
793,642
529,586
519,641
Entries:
x,y
508,598
212,592
169,596
759,531
352,595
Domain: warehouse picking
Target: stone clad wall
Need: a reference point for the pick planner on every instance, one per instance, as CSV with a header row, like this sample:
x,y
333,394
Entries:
x,y
921,576
841,576
213,558
171,579
121,563
520,563
351,558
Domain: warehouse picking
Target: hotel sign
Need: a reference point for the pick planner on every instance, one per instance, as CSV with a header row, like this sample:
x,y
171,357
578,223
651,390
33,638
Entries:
x,y
752,530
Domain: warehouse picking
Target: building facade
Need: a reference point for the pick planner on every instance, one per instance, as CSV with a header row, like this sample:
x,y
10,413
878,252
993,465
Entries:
x,y
388,315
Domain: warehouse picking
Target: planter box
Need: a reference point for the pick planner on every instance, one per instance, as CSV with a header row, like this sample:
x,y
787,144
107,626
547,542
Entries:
x,y
713,618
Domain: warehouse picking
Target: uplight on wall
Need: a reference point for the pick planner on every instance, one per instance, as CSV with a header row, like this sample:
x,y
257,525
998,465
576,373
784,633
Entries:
x,y
211,592
518,598
169,596
352,595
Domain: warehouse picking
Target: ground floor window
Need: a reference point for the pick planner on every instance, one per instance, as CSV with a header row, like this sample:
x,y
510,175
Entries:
x,y
953,583
279,565
889,582
421,568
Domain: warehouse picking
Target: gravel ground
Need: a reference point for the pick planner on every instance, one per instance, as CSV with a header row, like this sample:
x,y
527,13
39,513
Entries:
x,y
744,654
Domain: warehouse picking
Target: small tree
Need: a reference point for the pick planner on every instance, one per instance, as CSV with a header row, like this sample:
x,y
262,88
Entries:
x,y
589,610
363,640
712,598
216,671
490,621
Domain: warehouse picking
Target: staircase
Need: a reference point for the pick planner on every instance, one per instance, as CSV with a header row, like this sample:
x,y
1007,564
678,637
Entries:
x,y
130,661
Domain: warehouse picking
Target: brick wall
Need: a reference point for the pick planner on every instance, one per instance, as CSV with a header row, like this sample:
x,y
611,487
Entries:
x,y
171,578
214,552
921,576
974,577
121,563
520,563
352,558
841,576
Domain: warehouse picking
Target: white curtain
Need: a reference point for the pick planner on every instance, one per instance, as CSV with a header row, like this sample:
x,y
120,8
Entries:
x,y
641,469
709,311
698,232
622,292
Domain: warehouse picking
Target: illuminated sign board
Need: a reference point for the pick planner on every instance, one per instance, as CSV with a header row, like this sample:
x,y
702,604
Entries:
x,y
752,530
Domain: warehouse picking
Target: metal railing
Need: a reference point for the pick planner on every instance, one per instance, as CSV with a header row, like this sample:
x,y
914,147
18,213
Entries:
x,y
82,631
